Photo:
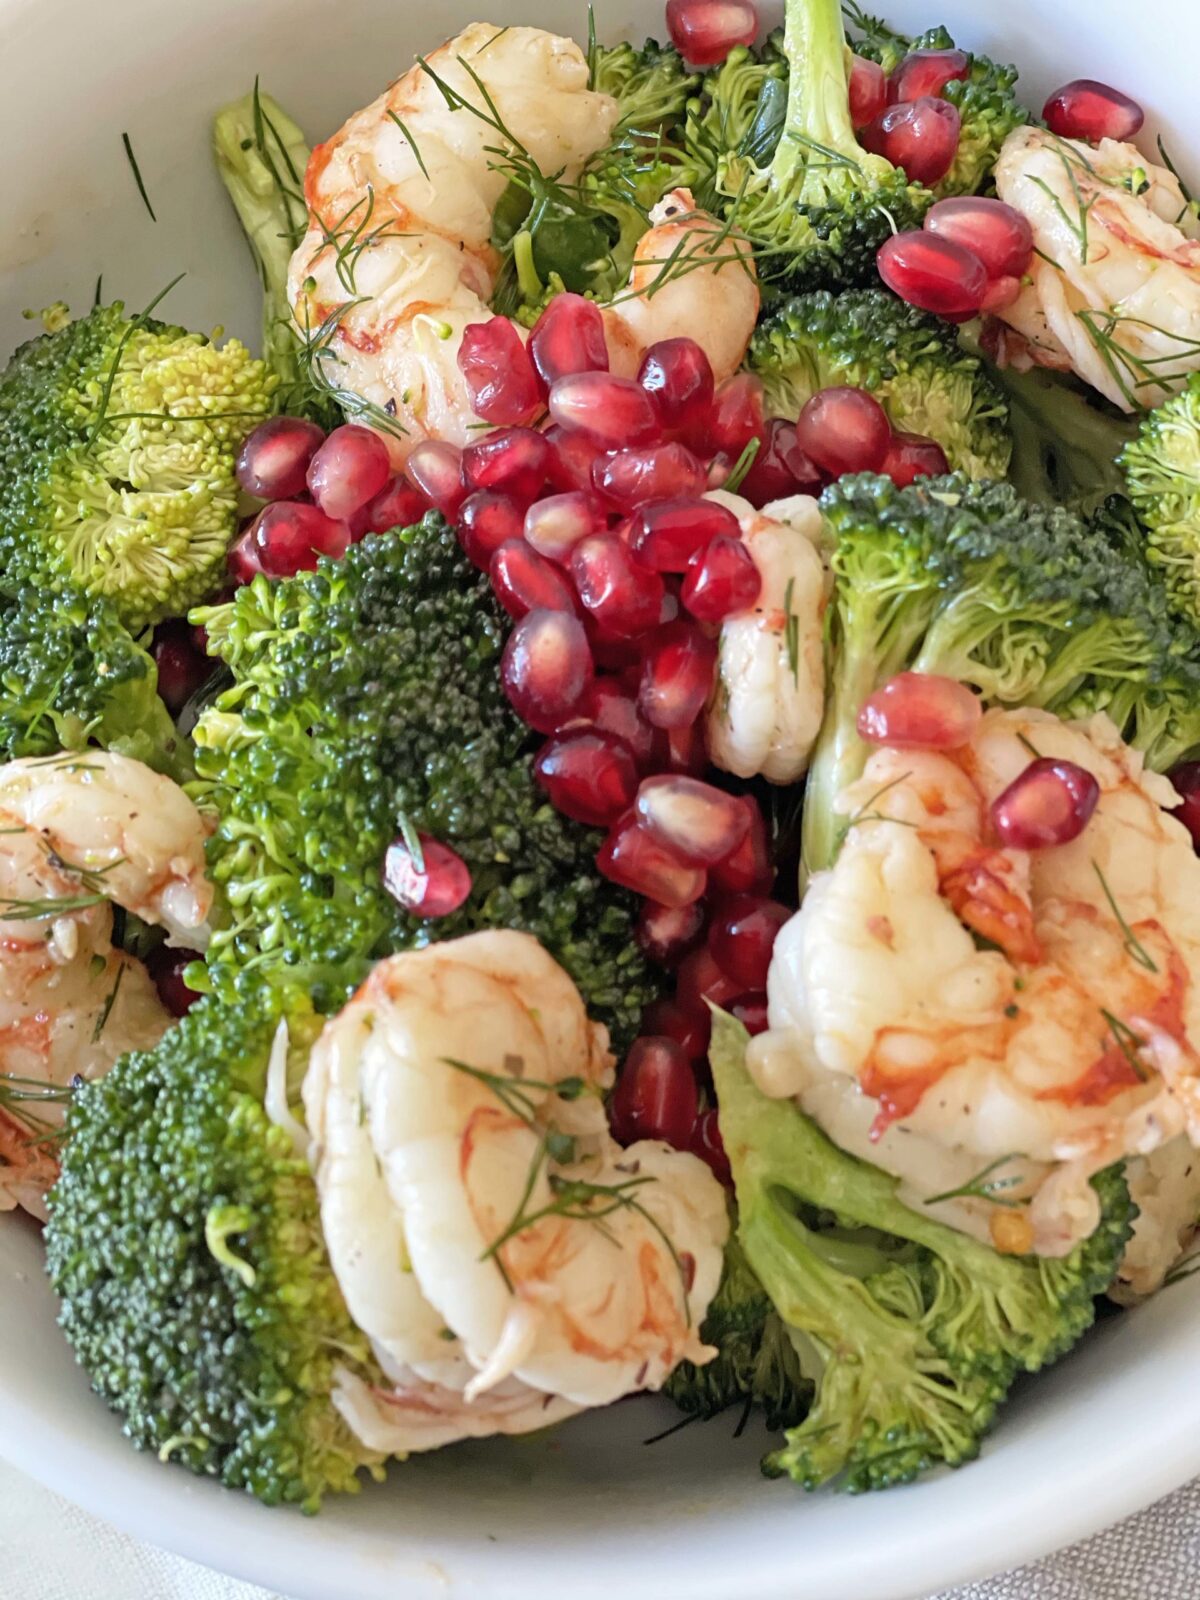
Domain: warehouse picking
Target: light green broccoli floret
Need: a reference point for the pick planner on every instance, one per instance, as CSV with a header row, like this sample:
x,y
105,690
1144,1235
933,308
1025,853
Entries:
x,y
1162,477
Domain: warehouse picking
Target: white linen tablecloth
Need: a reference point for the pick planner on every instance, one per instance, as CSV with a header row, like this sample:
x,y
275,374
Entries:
x,y
50,1550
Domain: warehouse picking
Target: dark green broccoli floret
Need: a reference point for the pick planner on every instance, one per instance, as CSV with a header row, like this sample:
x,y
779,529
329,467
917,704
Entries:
x,y
651,85
1066,442
117,444
910,1331
185,1245
367,699
1162,477
910,362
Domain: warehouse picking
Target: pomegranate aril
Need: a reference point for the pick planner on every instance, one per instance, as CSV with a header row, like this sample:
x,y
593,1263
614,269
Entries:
x,y
435,467
997,233
737,417
622,596
920,711
911,456
614,652
588,776
743,937
485,522
665,535
1186,778
512,460
628,478
700,981
665,934
182,668
686,749
573,458
555,525
721,581
1086,109
606,708
1050,803
350,468
635,860
705,31
287,537
677,372
501,384
656,1096
780,467
524,581
703,823
689,1028
611,411
750,869
706,1142
568,337
166,966
272,463
397,505
677,675
868,91
751,1012
844,430
933,273
546,668
926,72
920,135
431,884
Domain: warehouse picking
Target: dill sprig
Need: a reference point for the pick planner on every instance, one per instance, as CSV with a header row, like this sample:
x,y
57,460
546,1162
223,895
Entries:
x,y
138,323
109,1002
1132,372
1127,1042
137,175
742,466
983,1186
867,812
315,350
792,631
1133,945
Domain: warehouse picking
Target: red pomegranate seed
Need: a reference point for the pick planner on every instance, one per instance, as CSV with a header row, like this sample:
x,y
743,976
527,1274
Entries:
x,y
721,581
614,652
349,469
606,708
622,596
436,469
920,711
397,505
611,411
501,383
555,525
926,72
921,136
287,537
677,675
665,934
844,430
485,522
568,337
751,1012
272,463
431,884
868,91
656,1095
546,668
166,966
1000,292
1186,778
632,858
998,234
241,563
1085,109
525,581
690,1029
780,467
934,273
743,937
705,31
737,417
573,459
512,460
701,982
750,869
911,456
679,375
703,823
706,1142
588,776
1049,804
628,478
182,667
665,535
686,749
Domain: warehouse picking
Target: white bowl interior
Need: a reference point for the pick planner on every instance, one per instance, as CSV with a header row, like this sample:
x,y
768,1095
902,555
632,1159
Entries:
x,y
590,1505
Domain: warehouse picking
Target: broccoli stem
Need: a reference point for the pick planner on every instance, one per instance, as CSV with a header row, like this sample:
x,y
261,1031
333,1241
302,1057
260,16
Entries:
x,y
818,131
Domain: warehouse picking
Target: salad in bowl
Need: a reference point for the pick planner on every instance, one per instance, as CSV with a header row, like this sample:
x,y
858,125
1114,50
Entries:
x,y
616,810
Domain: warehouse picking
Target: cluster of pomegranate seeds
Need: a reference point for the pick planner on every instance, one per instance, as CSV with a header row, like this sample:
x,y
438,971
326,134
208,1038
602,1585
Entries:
x,y
969,256
705,31
904,117
1085,109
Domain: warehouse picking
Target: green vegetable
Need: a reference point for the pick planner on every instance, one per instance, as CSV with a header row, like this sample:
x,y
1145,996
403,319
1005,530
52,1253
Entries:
x,y
366,701
910,362
117,444
1162,474
1066,444
185,1245
651,85
738,114
910,1332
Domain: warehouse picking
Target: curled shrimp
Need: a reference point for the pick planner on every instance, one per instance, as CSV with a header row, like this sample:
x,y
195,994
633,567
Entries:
x,y
992,1024
769,694
78,834
508,1261
1114,290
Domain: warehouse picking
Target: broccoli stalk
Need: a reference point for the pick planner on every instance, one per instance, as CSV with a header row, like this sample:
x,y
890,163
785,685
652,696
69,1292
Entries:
x,y
1162,476
910,1332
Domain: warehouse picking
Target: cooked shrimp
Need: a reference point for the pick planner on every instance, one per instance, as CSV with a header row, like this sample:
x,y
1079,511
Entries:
x,y
769,696
491,1240
1067,1042
1115,280
398,260
1165,1187
78,834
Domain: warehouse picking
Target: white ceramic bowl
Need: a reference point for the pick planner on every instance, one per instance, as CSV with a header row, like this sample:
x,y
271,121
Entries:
x,y
591,1510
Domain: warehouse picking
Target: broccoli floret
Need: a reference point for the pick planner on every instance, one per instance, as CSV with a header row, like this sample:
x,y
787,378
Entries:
x,y
912,364
184,1242
651,85
1066,445
1161,467
910,1332
117,444
367,700
739,113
